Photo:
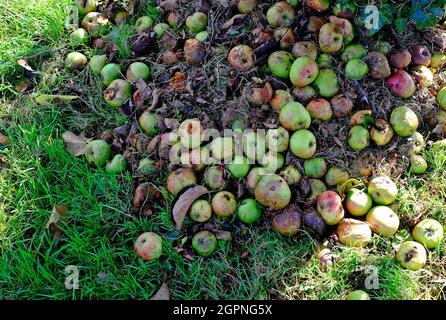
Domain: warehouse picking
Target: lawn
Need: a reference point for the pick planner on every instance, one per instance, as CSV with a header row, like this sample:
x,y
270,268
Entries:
x,y
97,234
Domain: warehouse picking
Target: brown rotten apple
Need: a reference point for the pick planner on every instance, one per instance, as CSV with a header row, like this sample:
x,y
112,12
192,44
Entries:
x,y
273,191
241,57
330,38
288,222
400,59
420,55
180,179
354,233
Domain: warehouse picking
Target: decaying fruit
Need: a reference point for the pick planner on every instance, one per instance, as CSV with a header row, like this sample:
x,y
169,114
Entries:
x,y
378,65
273,191
197,22
345,26
382,190
146,167
358,202
110,72
400,59
285,36
239,167
96,24
273,161
304,71
204,243
423,76
291,175
404,121
117,165
359,117
294,116
281,14
280,99
344,9
259,96
190,133
254,145
401,84
418,165
148,246
411,255
381,132
241,57
420,55
194,51
305,49
327,83
303,144
329,206
224,204
441,98
118,92
143,23
428,232
75,61
353,51
97,152
253,178
319,109
336,175
358,295
313,220
438,60
279,62
417,143
354,233
304,94
277,140
383,221
138,71
288,222
148,121
79,37
359,138
317,188
315,167
330,38
97,63
356,69
246,6
222,148
342,105
318,5
324,61
200,210
214,177
86,6
180,179
249,211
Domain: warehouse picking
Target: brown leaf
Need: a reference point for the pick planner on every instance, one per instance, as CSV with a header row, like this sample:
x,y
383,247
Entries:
x,y
223,235
163,293
184,202
24,64
53,223
171,123
156,95
153,144
22,86
75,144
142,93
4,140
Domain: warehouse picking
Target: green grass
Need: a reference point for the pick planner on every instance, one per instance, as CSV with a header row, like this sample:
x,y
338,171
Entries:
x,y
37,173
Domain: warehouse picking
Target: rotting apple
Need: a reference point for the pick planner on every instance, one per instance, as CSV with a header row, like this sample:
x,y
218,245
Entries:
x,y
117,165
418,165
194,51
204,243
356,69
239,167
222,148
246,6
294,116
280,99
195,159
214,177
305,49
401,84
148,121
96,24
180,179
259,96
317,187
160,29
423,76
146,167
289,222
86,6
191,133
138,71
383,221
336,176
97,63
428,232
75,61
148,246
400,59
118,92
200,210
314,221
315,167
404,121
224,204
273,160
285,36
315,23
417,143
253,178
342,105
345,26
79,37
143,23
273,191
381,132
329,206
360,118
327,83
411,255
353,51
330,38
441,98
304,71
358,202
358,295
318,5
343,9
121,17
241,57
303,144
280,14
358,138
320,109
173,18
291,175
279,62
382,190
254,145
438,60
420,55
249,211
197,22
110,72
382,46
354,233
277,139
97,152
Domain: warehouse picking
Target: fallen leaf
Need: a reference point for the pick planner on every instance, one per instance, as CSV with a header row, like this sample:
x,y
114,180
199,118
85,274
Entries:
x,y
178,82
184,202
144,92
75,144
163,293
171,123
47,99
53,224
22,86
24,64
4,140
223,235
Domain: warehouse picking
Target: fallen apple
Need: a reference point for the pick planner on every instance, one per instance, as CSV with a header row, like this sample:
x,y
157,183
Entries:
x,y
359,138
280,99
180,179
97,63
358,202
291,175
246,6
342,105
146,167
253,178
202,36
315,167
239,167
224,204
404,121
330,38
148,246
417,143
320,109
383,221
194,51
318,5
86,6
285,36
197,22
143,23
303,144
254,145
441,98
173,18
317,187
361,118
249,211
204,243
148,121
279,62
138,71
110,72
241,57
195,159
329,206
273,161
117,165
79,37
294,116
97,152
336,176
382,190
401,84
382,46
118,92
304,71
121,17
259,96
160,29
96,24
381,132
277,140
315,23
314,221
288,223
428,232
423,76
345,26
354,233
222,148
438,60
411,255
378,65
418,165
191,133
358,295
344,9
356,69
327,83
304,94
400,59
75,61
214,177
305,49
200,211
353,51
280,14
324,61
420,55
272,191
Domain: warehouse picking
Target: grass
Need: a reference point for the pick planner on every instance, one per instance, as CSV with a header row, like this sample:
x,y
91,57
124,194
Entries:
x,y
37,173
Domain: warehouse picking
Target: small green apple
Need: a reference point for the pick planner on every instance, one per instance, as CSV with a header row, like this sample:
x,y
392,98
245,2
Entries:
x,y
249,211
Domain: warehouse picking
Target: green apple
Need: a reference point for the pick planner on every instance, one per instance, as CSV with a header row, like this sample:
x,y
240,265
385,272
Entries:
x,y
204,243
329,206
138,71
148,246
358,202
200,211
330,38
249,211
239,167
117,165
254,145
304,71
303,144
143,23
146,167
86,6
383,221
97,152
148,121
382,190
315,167
272,191
441,98
324,61
202,36
291,175
191,133
75,61
97,63
160,29
428,232
280,14
356,69
197,22
418,165
79,37
327,83
353,51
411,255
336,176
280,62
277,139
359,138
305,49
358,295
404,121
110,72
294,116
273,161
117,93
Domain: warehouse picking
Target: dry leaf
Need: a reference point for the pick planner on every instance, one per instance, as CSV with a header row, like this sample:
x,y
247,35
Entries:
x,y
75,144
4,140
22,86
53,223
163,293
24,64
171,123
184,202
47,99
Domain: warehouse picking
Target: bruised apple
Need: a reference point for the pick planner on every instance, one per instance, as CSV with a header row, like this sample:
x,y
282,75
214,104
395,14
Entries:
x,y
378,65
224,204
86,6
148,246
197,22
138,71
428,232
330,38
318,5
143,23
273,161
204,243
401,84
354,233
280,99
148,121
200,211
342,105
214,177
336,175
359,138
411,255
314,221
273,191
305,94
345,26
358,202
418,165
423,76
305,49
180,179
118,92
317,187
304,71
277,140
404,121
280,14
303,144
291,175
97,152
280,63
75,61
382,190
319,109
420,55
246,6
190,133
288,223
383,221
294,116
329,206
400,59
381,132
222,148
241,57
353,51
285,36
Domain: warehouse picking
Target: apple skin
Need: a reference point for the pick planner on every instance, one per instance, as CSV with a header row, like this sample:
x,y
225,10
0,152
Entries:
x,y
273,161
304,94
241,57
342,105
401,84
320,109
277,139
344,10
336,175
97,152
441,98
411,255
200,211
353,233
359,138
304,71
303,144
428,232
418,143
382,190
288,222
318,5
358,202
281,14
315,167
294,116
329,206
246,6
224,204
356,69
79,37
75,61
345,26
86,6
317,188
353,51
148,121
272,191
381,132
254,145
117,165
280,63
138,71
423,76
358,295
327,83
400,59
420,55
383,221
160,29
285,36
204,243
378,65
418,165
330,38
239,167
197,22
438,60
97,63
214,177
110,72
148,246
280,99
404,121
249,211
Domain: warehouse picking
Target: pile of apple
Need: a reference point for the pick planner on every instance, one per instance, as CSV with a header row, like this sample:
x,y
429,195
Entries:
x,y
259,160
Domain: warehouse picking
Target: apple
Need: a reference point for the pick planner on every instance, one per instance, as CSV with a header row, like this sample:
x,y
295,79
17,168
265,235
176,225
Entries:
x,y
324,61
99,44
96,24
354,233
138,71
319,109
121,17
160,29
86,6
359,117
259,96
202,36
280,63
280,14
285,36
342,105
304,94
288,222
440,117
179,179
143,23
411,255
305,49
280,99
382,190
277,140
148,246
383,221
438,60
358,295
254,145
315,167
381,132
224,204
356,69
418,164
241,57
303,144
97,152
259,36
117,165
400,59
204,243
317,188
246,6
197,22
148,122
344,9
173,18
353,51
428,232
273,161
79,37
195,159
191,133
417,143
200,211
118,92
253,178
313,220
329,206
294,116
291,175
336,176
359,138
110,72
423,76
146,167
304,71
401,84
330,38
420,55
272,191
327,83
97,63
358,202
249,211
345,26
441,98
239,167
75,61
214,177
404,121
382,46
318,5
194,51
